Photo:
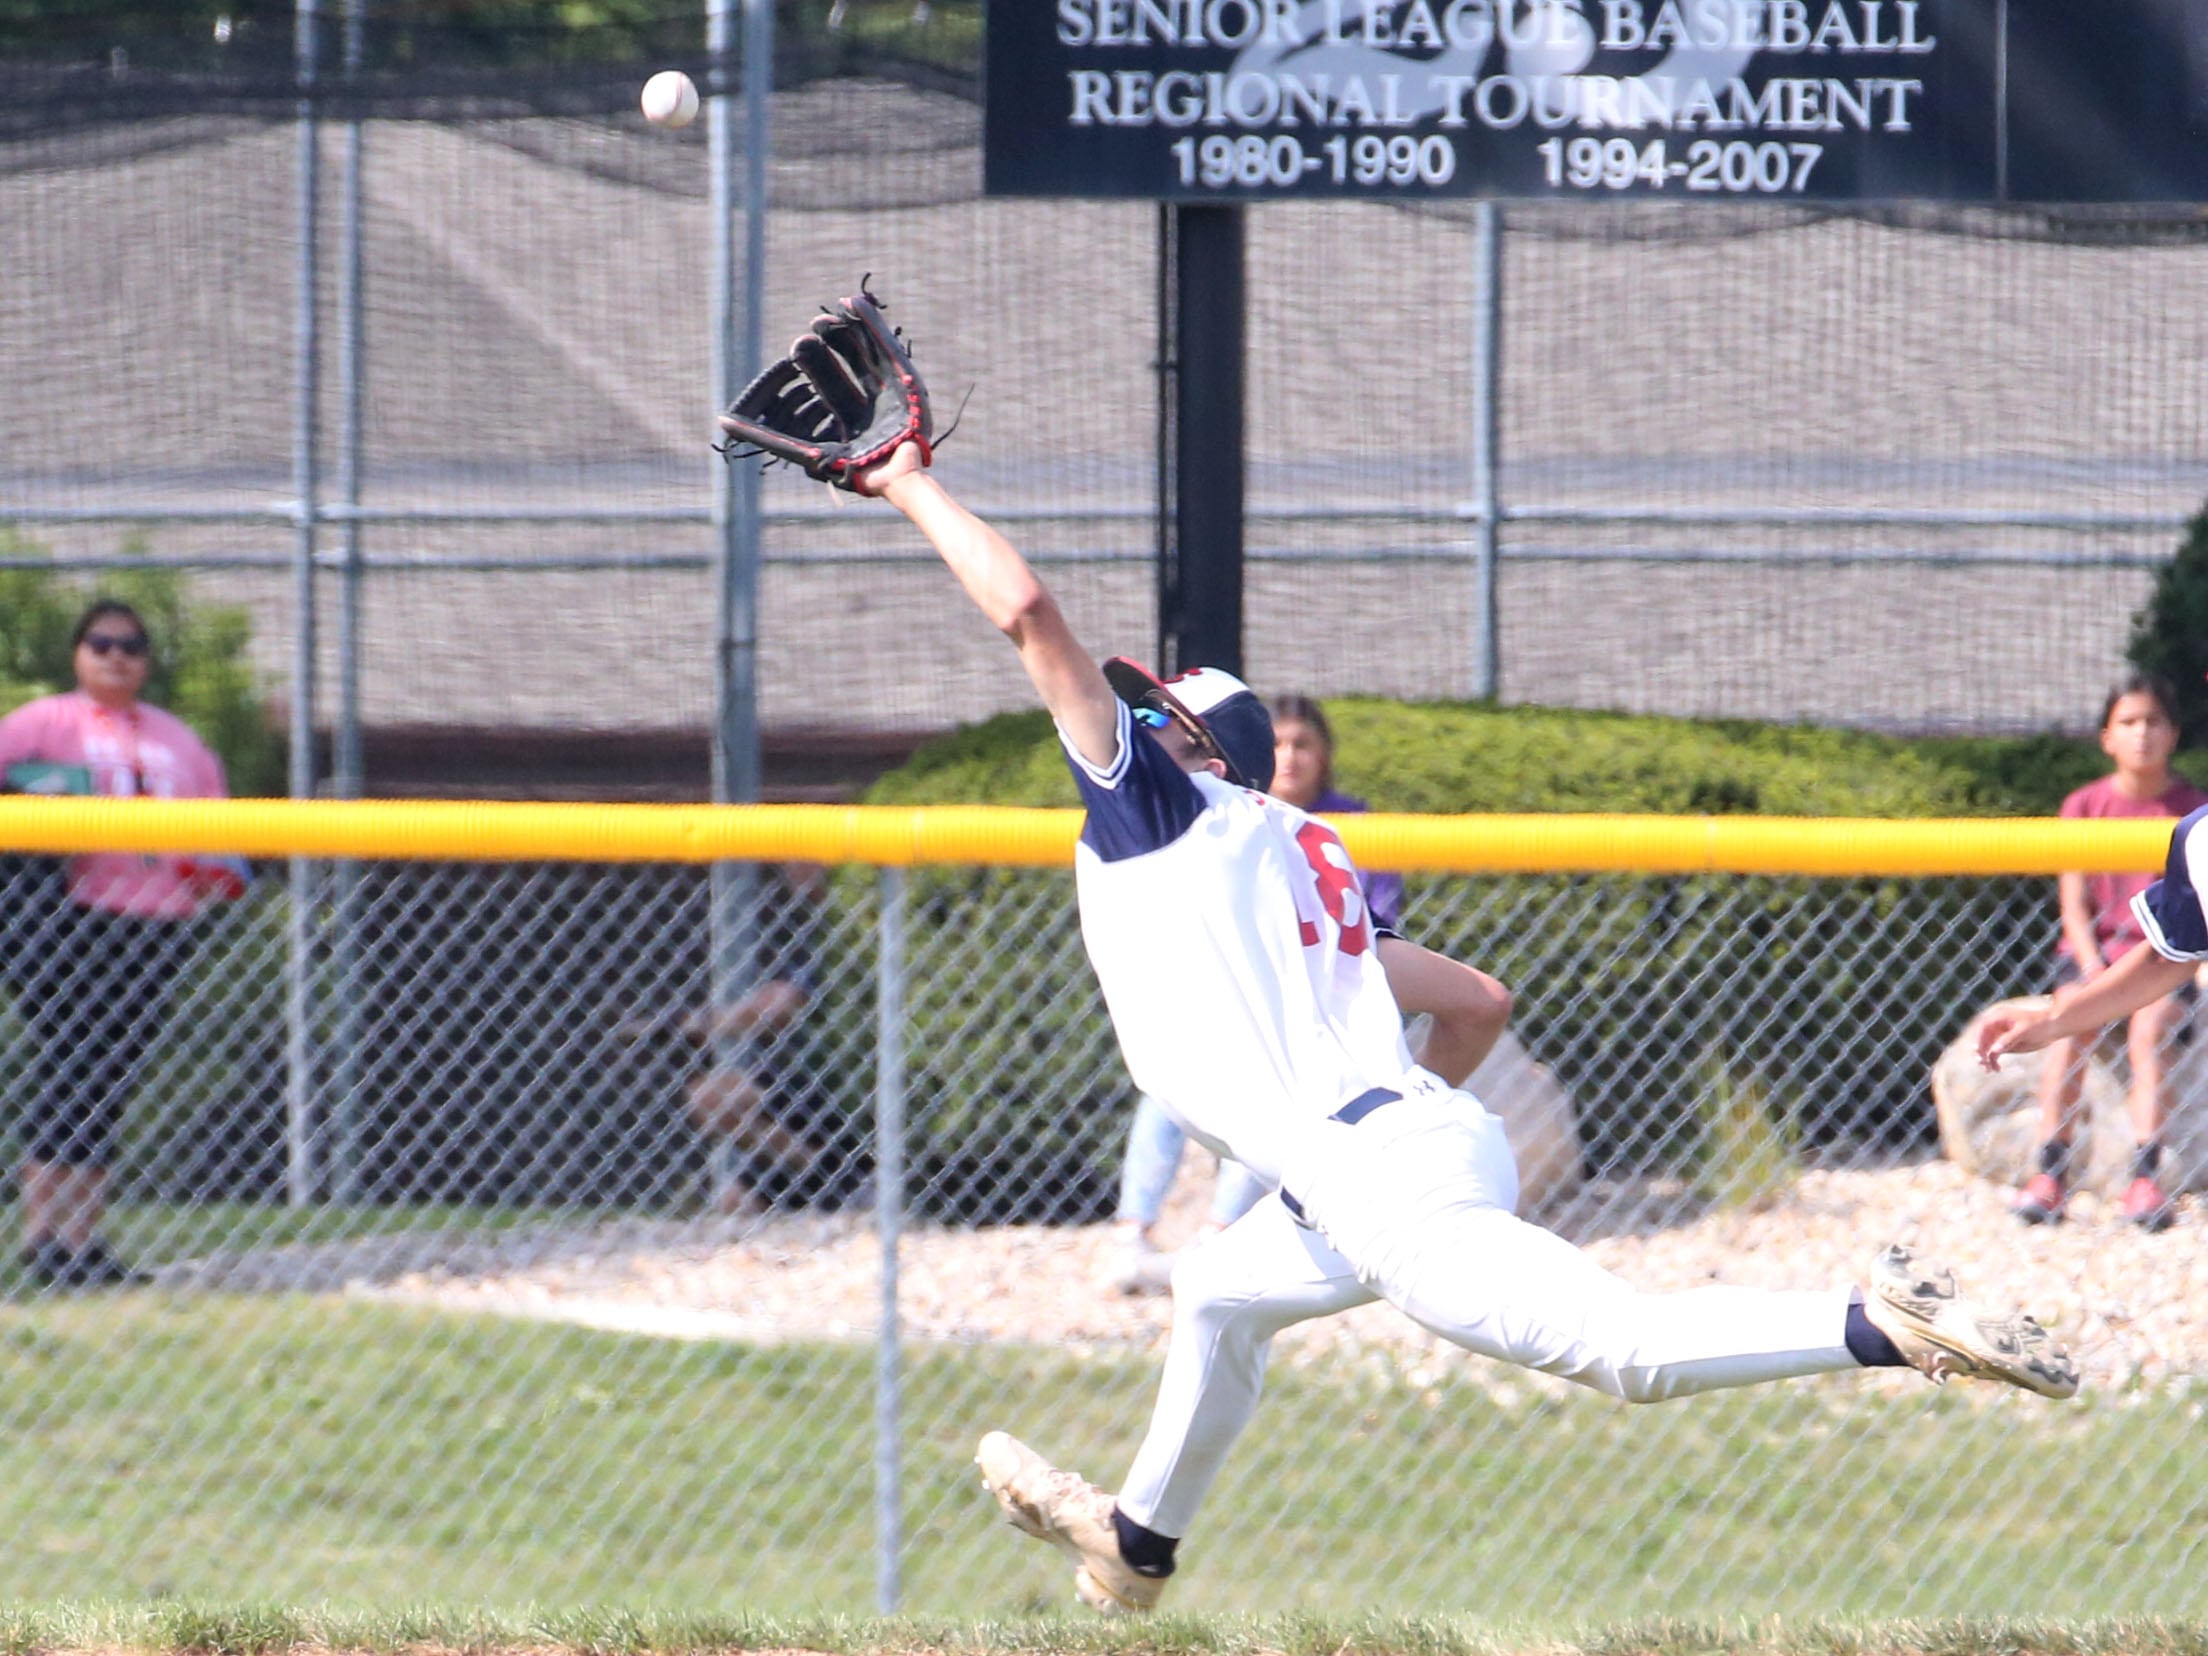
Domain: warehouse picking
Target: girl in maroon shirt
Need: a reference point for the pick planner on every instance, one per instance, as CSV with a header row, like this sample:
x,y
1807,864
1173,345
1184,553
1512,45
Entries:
x,y
2138,733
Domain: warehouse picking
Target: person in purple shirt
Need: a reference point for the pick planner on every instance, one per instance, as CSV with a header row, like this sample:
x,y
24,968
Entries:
x,y
1303,775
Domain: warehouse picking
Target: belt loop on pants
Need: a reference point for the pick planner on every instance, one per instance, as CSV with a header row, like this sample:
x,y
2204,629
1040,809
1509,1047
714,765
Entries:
x,y
1349,1115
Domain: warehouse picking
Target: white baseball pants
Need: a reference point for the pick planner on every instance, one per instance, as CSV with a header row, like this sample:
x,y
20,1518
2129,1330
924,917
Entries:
x,y
1413,1205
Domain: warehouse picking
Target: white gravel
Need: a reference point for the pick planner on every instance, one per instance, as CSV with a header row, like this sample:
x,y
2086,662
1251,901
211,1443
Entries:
x,y
2133,1307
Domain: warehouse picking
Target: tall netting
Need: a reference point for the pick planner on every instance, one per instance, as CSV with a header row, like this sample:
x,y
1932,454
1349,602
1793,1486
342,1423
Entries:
x,y
1896,396
534,337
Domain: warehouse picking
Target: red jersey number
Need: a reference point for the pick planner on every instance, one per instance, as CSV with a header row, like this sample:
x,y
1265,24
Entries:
x,y
1339,893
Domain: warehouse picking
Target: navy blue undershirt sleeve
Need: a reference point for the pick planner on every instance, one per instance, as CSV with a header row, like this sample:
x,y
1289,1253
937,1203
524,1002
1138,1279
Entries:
x,y
2170,908
1143,803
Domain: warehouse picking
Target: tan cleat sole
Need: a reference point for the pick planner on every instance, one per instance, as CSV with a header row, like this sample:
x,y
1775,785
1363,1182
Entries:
x,y
1915,1304
1104,1601
1001,1458
1070,1513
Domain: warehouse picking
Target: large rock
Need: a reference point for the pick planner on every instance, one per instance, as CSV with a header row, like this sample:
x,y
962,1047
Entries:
x,y
1539,1118
1989,1124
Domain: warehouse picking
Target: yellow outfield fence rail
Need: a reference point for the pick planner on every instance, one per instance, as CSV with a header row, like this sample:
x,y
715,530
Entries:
x,y
909,836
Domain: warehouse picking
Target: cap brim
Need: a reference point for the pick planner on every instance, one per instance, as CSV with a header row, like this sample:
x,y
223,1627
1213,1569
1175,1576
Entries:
x,y
1137,686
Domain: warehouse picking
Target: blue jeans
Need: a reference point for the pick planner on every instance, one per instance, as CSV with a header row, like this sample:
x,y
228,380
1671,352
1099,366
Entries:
x,y
1154,1145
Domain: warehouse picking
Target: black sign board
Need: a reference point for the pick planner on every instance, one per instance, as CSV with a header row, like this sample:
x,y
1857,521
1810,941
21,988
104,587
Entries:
x,y
1228,101
2107,101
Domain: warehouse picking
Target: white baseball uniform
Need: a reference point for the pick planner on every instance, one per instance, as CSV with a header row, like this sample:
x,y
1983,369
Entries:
x,y
1228,931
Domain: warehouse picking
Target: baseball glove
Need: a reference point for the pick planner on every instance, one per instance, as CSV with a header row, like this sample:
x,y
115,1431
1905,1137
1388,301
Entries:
x,y
841,401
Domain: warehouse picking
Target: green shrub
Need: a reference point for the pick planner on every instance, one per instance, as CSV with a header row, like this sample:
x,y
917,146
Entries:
x,y
1015,1098
200,669
1628,983
1747,1150
1447,757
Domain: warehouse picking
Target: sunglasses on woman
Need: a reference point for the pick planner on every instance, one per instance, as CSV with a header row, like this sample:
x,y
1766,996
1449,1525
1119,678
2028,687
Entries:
x,y
101,644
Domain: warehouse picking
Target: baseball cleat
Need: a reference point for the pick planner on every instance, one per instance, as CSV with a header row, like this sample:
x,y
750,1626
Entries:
x,y
1073,1515
1140,1267
2042,1200
2146,1206
1915,1305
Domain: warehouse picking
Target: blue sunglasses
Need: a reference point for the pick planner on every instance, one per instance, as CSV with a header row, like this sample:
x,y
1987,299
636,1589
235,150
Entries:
x,y
1152,718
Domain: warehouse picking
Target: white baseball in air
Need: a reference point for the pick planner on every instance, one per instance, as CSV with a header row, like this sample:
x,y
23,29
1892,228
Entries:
x,y
670,99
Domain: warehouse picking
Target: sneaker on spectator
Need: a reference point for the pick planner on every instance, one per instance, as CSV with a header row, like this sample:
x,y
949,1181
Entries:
x,y
2146,1206
1138,1266
45,1264
2042,1200
95,1266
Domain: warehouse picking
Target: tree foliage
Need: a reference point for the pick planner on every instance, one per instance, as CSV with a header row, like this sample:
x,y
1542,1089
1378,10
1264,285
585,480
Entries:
x,y
257,36
2169,635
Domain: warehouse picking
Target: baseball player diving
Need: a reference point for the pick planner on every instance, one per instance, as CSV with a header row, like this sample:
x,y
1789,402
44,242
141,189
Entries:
x,y
1252,996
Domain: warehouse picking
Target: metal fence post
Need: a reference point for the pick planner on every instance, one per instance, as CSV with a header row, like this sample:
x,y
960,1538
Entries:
x,y
1487,397
889,1206
299,927
736,358
347,764
736,888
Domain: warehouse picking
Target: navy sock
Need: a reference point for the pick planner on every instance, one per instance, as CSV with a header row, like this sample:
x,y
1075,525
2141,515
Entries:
x,y
2054,1159
1147,1552
1866,1344
2146,1161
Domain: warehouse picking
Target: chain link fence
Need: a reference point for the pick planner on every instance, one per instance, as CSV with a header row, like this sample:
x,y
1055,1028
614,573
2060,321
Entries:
x,y
647,1236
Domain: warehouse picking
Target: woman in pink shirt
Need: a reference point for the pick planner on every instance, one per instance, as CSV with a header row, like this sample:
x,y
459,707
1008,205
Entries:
x,y
95,993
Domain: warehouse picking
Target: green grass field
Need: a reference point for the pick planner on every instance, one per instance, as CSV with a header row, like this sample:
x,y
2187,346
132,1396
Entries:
x,y
265,1630
208,1448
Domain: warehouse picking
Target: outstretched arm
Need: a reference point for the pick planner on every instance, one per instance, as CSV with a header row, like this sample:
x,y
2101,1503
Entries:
x,y
1016,602
2141,978
1469,1008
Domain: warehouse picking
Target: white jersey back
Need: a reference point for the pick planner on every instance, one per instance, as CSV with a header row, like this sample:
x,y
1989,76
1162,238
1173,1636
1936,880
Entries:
x,y
1230,935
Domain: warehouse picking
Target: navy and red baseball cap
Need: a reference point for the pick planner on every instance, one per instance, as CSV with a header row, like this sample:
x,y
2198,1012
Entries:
x,y
1221,712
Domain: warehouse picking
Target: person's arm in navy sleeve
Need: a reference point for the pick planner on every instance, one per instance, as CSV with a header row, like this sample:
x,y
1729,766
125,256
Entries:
x,y
1142,801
